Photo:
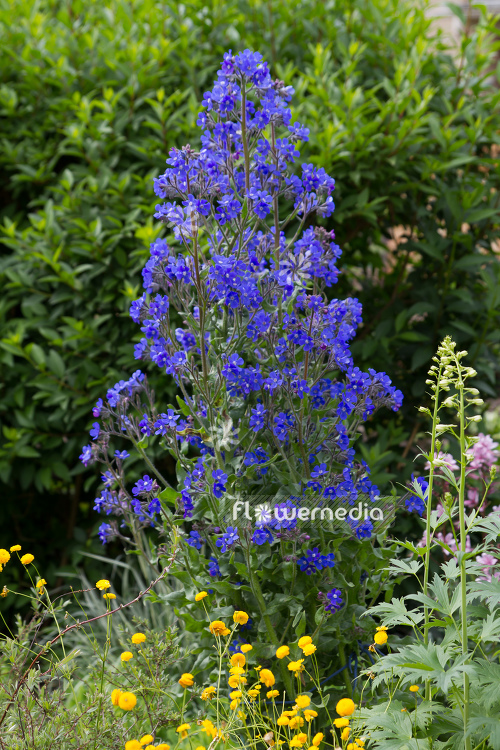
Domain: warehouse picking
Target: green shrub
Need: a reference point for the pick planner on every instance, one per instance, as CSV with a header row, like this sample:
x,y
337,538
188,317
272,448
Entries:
x,y
93,94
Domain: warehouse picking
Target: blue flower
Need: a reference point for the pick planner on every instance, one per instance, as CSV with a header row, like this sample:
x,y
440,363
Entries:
x,y
335,601
105,532
261,536
122,455
194,539
219,486
94,432
86,455
228,539
213,568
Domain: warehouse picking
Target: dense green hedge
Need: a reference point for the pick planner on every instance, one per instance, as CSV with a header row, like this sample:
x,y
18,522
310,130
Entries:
x,y
92,96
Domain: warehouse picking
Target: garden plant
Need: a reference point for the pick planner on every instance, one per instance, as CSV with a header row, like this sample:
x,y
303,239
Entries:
x,y
278,603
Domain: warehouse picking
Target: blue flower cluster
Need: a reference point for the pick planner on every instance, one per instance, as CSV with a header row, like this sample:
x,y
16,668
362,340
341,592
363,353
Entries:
x,y
235,311
334,601
414,502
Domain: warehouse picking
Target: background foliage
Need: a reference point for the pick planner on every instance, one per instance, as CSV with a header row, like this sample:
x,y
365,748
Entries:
x,y
92,96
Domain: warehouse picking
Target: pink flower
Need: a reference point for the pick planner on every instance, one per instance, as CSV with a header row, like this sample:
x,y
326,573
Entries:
x,y
487,562
472,497
484,453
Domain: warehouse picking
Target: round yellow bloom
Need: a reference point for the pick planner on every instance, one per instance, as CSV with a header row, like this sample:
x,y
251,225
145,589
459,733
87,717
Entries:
x,y
4,592
282,652
41,583
109,595
414,688
127,701
183,730
208,693
133,745
296,722
254,693
138,638
309,714
298,740
246,648
200,747
282,721
238,660
236,670
339,723
302,701
344,735
101,585
186,680
267,677
351,746
200,595
127,656
16,548
115,695
217,627
147,739
309,649
4,556
380,637
27,559
304,641
345,707
209,728
381,627
359,742
296,666
272,694
163,746
317,739
240,618
237,679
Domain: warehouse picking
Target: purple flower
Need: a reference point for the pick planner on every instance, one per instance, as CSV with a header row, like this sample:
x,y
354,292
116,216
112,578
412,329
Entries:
x,y
228,539
86,455
261,536
213,568
335,601
94,432
105,532
194,539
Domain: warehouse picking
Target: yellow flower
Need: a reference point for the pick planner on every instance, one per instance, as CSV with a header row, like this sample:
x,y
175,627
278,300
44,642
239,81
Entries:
x,y
296,666
127,655
183,730
238,660
381,627
298,740
296,722
235,694
345,707
304,641
138,638
302,701
372,648
236,670
147,739
217,627
200,595
317,739
27,559
283,720
246,648
351,746
133,745
15,548
127,701
40,584
109,595
339,723
254,693
359,742
414,688
234,704
209,728
344,735
240,618
309,649
282,652
4,592
101,585
272,694
115,695
237,679
163,746
186,680
208,693
242,715
4,556
309,714
380,637
267,677
200,747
